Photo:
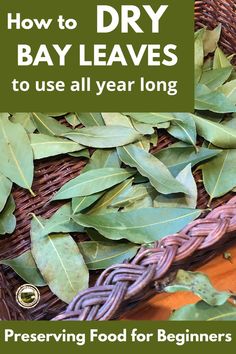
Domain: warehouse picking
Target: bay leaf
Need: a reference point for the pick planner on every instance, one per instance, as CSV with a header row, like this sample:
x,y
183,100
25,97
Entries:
x,y
198,54
16,154
213,101
45,146
199,284
101,255
220,60
204,312
184,128
104,137
119,119
216,133
211,39
48,125
81,203
132,194
146,202
215,78
73,119
7,219
101,206
25,119
151,118
142,128
102,158
61,221
177,157
91,119
229,90
92,182
82,153
152,168
56,114
5,190
141,225
60,262
180,200
99,159
219,174
25,266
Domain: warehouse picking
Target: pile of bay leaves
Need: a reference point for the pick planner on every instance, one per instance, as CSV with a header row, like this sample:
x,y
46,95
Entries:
x,y
125,196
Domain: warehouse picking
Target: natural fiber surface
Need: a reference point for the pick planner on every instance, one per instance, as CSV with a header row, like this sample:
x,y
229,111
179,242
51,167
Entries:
x,y
210,13
123,282
121,285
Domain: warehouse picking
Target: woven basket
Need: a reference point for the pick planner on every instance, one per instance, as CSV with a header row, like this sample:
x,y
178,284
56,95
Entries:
x,y
120,286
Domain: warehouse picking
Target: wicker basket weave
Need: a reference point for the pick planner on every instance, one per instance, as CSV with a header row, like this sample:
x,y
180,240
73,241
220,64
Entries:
x,y
123,285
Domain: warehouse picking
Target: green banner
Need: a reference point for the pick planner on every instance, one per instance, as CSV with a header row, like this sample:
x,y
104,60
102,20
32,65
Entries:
x,y
97,56
107,337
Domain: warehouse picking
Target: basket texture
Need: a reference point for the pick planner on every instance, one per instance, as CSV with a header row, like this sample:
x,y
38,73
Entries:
x,y
123,285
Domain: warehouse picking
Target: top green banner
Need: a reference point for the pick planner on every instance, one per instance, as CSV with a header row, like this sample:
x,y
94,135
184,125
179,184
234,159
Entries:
x,y
96,55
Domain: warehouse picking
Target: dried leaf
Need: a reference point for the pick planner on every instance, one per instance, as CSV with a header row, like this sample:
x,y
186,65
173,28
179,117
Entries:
x,y
150,167
48,126
92,182
141,225
91,119
200,285
45,146
16,154
7,219
25,119
184,128
101,255
177,157
26,268
219,174
64,271
216,133
211,39
104,137
204,312
180,200
5,190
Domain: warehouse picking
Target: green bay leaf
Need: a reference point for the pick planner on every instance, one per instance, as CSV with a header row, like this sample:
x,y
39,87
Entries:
x,y
92,182
184,128
150,167
180,200
25,266
5,190
204,312
177,157
104,137
215,78
16,154
102,205
48,125
25,119
219,175
199,284
46,146
7,219
216,133
151,118
141,225
91,119
101,255
60,262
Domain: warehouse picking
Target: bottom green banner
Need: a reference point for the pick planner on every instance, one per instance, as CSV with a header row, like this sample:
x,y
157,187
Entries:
x,y
85,337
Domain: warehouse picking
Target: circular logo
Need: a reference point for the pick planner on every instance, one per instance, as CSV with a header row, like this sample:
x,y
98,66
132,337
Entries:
x,y
27,296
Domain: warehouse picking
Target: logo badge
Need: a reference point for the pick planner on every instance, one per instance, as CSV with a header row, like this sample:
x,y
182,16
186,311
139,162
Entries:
x,y
27,296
